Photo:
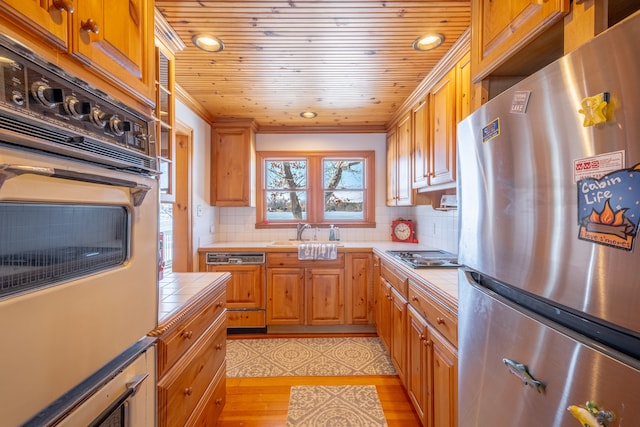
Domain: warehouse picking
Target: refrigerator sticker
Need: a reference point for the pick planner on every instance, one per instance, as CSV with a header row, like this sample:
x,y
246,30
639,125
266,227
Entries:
x,y
520,101
491,130
598,166
609,208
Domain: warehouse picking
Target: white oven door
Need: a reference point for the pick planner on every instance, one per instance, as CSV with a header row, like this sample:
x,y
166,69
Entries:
x,y
62,332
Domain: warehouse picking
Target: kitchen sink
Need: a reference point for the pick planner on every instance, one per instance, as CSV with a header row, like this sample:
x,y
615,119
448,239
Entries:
x,y
285,243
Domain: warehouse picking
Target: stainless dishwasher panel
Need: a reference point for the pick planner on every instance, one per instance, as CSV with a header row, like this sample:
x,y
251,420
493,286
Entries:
x,y
505,349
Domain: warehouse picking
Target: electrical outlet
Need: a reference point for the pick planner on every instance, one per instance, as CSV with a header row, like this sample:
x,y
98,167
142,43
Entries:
x,y
199,210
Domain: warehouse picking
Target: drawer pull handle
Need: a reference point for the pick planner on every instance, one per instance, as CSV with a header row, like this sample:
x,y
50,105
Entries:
x,y
187,334
90,26
63,5
219,401
188,391
440,320
220,304
422,337
219,346
414,298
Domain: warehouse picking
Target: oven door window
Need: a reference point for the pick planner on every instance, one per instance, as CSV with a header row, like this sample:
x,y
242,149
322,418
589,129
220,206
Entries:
x,y
47,244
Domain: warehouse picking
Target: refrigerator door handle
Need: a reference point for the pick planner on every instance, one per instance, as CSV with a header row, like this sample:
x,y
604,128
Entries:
x,y
521,371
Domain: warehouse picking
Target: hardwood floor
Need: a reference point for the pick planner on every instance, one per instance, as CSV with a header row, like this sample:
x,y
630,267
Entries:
x,y
263,402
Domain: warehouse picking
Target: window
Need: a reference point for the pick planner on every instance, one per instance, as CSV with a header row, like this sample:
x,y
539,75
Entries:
x,y
318,188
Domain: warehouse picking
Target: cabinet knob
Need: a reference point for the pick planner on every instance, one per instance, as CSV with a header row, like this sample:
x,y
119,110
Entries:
x,y
414,298
219,401
220,304
64,5
440,320
187,334
90,26
188,391
219,346
422,337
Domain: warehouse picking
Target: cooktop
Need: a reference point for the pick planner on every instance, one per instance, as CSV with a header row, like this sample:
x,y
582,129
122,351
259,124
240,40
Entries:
x,y
427,258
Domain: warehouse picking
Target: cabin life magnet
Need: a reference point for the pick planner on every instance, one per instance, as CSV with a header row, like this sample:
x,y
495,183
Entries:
x,y
609,208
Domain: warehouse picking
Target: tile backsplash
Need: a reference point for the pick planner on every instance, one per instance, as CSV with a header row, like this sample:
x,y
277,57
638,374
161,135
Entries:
x,y
438,229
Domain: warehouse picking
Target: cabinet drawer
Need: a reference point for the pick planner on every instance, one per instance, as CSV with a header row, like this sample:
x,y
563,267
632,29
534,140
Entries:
x,y
246,319
187,331
290,259
395,277
211,405
439,317
184,385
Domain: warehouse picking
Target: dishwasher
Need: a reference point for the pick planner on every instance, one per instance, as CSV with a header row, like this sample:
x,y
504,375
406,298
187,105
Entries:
x,y
246,299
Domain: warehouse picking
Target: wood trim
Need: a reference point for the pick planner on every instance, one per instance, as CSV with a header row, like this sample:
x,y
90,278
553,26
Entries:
x,y
313,211
191,103
183,206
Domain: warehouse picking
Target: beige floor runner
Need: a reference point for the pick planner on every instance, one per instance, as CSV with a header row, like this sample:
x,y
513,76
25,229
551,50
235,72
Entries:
x,y
332,406
273,357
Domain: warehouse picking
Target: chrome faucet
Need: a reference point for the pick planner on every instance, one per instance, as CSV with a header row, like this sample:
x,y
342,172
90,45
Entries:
x,y
299,229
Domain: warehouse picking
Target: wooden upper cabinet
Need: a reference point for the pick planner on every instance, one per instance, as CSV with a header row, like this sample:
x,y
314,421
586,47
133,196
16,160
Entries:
x,y
502,28
392,174
233,169
48,18
420,159
115,37
442,107
399,145
463,88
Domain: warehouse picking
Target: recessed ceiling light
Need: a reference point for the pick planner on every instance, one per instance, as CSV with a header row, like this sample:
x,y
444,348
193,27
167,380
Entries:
x,y
208,42
309,114
428,42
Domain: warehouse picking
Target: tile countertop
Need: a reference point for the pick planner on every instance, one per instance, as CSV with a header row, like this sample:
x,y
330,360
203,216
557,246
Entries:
x,y
443,281
176,290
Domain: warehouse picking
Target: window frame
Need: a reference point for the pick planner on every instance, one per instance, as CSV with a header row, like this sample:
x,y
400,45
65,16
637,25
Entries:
x,y
315,188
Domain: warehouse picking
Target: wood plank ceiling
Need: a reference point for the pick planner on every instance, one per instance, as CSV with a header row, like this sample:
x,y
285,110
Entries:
x,y
350,61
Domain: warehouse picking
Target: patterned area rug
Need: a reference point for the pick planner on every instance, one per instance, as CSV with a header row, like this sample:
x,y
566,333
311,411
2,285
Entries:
x,y
335,406
273,357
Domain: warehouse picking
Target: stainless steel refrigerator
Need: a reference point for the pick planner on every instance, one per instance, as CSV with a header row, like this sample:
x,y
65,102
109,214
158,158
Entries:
x,y
549,190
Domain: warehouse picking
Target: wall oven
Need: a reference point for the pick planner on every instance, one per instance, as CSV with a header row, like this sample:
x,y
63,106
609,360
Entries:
x,y
78,237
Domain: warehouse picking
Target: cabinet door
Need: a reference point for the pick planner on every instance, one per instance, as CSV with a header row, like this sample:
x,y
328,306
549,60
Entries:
x,y
325,296
420,165
285,296
234,166
115,37
399,333
443,138
417,368
383,326
463,88
443,381
49,18
245,289
392,172
359,294
405,197
501,28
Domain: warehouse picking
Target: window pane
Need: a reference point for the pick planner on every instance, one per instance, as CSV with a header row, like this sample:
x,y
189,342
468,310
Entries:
x,y
286,205
347,205
343,173
286,174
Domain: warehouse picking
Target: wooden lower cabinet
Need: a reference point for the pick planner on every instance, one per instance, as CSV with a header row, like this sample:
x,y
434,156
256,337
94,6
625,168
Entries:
x,y
319,293
191,362
392,326
421,337
245,293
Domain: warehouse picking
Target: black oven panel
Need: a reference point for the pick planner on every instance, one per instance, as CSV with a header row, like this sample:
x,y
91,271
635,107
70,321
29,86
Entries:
x,y
38,94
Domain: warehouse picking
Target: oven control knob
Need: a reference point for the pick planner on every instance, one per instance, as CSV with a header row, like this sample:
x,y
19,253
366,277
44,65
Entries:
x,y
45,95
98,118
118,126
76,108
